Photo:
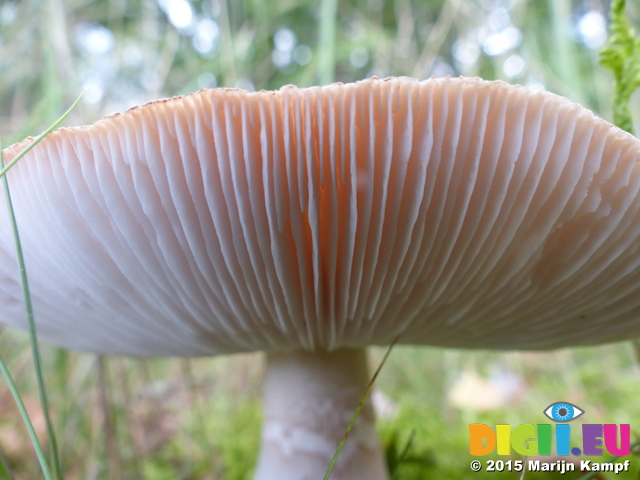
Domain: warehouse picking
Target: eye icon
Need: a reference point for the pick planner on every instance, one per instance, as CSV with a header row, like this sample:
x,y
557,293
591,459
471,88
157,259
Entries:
x,y
563,412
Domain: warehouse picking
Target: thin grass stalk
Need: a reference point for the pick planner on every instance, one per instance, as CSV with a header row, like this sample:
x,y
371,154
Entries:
x,y
33,336
108,422
564,45
524,470
196,406
58,51
436,38
54,125
355,415
24,281
27,421
130,419
227,53
327,41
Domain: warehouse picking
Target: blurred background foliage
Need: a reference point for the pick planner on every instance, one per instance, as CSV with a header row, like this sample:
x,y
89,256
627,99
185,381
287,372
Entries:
x,y
120,418
127,52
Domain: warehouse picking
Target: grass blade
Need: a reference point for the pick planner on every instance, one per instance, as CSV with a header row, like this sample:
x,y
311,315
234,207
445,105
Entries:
x,y
33,336
327,41
357,412
27,421
109,424
54,125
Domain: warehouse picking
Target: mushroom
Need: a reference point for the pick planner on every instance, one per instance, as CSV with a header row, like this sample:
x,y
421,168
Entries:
x,y
310,223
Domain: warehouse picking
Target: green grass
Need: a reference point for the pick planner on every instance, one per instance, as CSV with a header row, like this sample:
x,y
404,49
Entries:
x,y
157,428
35,347
27,421
356,413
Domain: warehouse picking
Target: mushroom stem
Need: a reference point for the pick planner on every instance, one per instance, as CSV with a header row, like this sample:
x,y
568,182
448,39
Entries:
x,y
309,399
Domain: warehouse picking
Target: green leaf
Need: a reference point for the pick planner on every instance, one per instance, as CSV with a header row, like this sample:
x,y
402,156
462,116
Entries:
x,y
621,55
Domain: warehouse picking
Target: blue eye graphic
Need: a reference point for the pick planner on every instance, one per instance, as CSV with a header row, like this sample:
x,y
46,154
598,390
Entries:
x,y
563,412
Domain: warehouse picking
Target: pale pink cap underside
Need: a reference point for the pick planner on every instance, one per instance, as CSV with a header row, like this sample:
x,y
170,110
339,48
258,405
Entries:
x,y
453,212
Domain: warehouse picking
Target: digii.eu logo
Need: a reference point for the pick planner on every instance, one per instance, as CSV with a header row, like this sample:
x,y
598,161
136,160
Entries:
x,y
535,442
538,440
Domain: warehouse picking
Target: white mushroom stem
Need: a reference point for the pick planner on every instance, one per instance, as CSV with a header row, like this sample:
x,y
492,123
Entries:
x,y
309,398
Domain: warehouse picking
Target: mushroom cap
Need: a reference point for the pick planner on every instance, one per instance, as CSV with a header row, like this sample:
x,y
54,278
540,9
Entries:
x,y
453,212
